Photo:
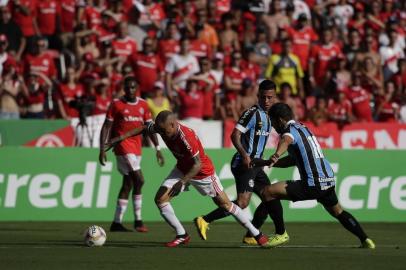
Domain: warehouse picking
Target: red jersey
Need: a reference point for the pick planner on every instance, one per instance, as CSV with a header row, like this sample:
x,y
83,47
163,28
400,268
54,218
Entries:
x,y
251,70
47,12
124,47
92,16
388,111
360,103
67,94
147,67
200,49
102,105
154,12
168,48
185,146
68,9
127,116
26,22
191,104
322,57
208,95
236,76
301,42
340,111
43,63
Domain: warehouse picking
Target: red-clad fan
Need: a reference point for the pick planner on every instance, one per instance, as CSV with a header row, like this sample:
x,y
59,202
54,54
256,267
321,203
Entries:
x,y
6,59
251,69
169,46
40,60
124,45
387,108
25,14
199,48
321,57
92,14
102,97
125,114
48,11
147,67
152,14
340,110
35,95
233,77
360,99
302,36
68,11
69,90
191,101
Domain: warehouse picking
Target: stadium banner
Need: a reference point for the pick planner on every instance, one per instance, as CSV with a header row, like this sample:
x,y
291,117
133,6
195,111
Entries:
x,y
68,184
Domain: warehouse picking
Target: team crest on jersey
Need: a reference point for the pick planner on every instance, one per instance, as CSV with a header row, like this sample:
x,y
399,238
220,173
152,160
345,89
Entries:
x,y
126,111
141,110
251,183
45,62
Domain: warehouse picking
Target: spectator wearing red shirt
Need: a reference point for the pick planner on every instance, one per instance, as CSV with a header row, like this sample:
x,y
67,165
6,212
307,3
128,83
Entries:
x,y
124,46
375,19
302,36
69,90
102,98
6,59
25,14
400,77
340,110
40,61
191,101
92,13
321,57
151,15
359,19
68,11
49,13
148,67
388,110
360,99
169,46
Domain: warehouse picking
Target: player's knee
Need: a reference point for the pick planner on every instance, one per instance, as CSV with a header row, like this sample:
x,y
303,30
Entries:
x,y
242,203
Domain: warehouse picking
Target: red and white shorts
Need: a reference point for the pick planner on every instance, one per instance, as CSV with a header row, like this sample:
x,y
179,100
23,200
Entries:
x,y
209,186
127,163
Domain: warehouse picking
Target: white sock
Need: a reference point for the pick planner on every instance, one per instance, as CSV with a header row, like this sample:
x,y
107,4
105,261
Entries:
x,y
240,216
169,215
120,210
137,203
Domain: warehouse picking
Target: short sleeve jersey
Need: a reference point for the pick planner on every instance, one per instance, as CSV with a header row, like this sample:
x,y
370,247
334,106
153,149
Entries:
x,y
127,116
185,146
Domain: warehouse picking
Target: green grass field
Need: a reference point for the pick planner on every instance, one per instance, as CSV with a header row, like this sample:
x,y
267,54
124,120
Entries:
x,y
58,245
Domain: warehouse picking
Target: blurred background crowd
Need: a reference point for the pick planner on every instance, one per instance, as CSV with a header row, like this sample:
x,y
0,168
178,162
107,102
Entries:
x,y
337,61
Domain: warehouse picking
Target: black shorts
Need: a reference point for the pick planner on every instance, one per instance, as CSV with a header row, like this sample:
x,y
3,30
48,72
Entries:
x,y
299,191
250,180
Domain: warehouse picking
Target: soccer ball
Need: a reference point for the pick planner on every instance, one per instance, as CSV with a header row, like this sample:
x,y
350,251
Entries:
x,y
95,236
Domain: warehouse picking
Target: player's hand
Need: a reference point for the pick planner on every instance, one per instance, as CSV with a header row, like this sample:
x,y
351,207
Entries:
x,y
256,162
160,158
102,157
176,189
246,161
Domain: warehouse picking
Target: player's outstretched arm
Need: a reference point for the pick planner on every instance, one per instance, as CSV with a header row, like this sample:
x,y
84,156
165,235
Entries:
x,y
152,135
114,141
285,162
282,147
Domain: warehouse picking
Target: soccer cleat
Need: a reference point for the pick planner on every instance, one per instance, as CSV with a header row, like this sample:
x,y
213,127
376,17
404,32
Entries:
x,y
202,226
278,239
179,240
262,240
140,227
118,227
249,240
368,243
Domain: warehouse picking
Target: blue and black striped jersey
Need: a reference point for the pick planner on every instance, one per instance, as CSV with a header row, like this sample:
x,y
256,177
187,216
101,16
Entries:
x,y
313,167
255,126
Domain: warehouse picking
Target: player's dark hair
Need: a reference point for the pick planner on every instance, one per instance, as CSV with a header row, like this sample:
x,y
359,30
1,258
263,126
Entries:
x,y
129,79
281,110
162,116
266,85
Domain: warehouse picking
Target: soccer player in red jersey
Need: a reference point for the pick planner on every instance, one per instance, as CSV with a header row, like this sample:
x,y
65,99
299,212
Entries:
x,y
195,168
123,115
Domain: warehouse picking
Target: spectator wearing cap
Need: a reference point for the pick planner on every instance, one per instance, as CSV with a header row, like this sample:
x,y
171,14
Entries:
x,y
285,67
321,57
40,61
180,68
48,21
24,13
275,19
302,36
390,55
148,67
157,101
68,91
12,31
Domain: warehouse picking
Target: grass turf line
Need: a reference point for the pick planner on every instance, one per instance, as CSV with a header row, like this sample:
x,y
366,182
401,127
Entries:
x,y
58,245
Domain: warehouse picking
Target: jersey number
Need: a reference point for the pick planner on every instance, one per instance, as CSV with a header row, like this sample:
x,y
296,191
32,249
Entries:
x,y
315,147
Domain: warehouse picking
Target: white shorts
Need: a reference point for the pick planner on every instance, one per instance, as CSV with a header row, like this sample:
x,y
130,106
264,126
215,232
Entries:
x,y
128,163
209,186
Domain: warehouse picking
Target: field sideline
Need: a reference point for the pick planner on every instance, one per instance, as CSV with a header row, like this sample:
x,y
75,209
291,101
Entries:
x,y
58,245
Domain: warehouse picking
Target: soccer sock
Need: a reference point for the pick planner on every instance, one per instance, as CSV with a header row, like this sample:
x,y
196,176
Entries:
x,y
120,210
216,214
351,224
169,215
137,202
239,215
260,215
275,211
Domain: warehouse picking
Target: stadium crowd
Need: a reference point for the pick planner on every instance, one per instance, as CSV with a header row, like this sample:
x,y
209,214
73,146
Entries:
x,y
333,60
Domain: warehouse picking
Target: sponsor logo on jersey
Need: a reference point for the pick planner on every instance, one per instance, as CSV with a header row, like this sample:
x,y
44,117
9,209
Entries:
x,y
133,119
261,133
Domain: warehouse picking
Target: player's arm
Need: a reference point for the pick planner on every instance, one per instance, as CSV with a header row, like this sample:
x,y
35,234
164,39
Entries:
x,y
282,147
154,138
285,162
236,139
187,177
104,137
